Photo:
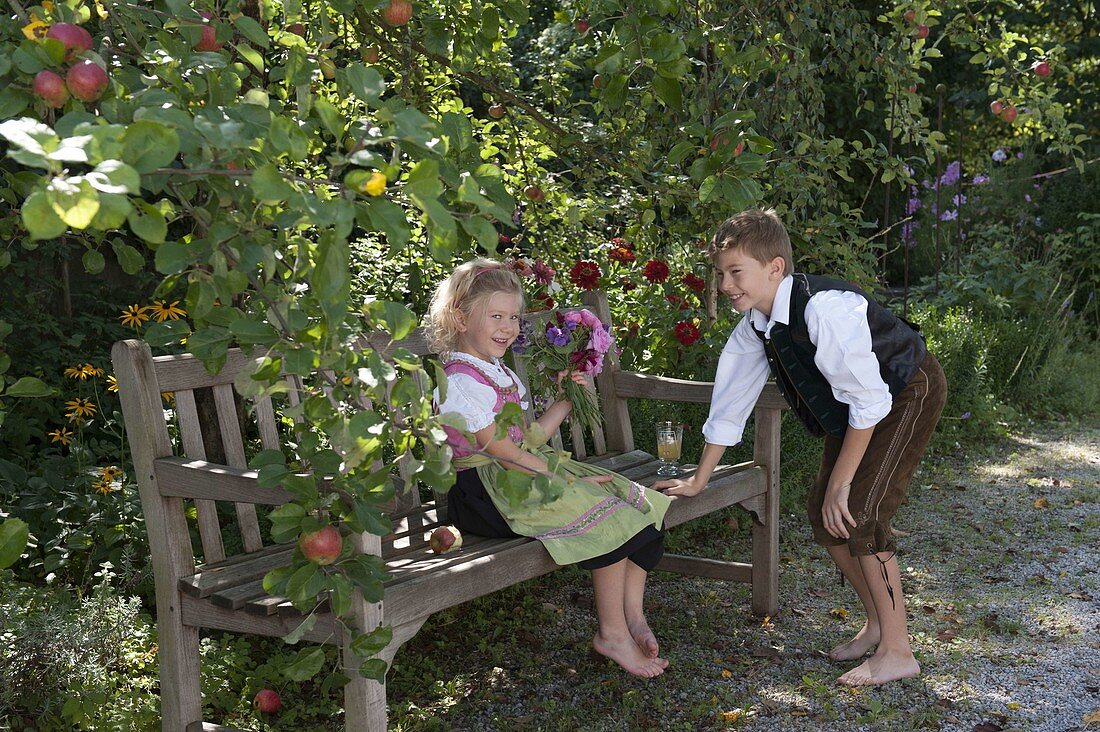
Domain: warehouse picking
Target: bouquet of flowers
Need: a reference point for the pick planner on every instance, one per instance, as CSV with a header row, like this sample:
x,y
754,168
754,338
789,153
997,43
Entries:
x,y
572,341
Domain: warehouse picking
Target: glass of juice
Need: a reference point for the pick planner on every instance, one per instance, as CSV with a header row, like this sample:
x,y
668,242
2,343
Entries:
x,y
669,438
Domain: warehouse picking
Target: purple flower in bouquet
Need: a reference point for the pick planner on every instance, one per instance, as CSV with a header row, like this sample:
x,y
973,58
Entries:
x,y
573,341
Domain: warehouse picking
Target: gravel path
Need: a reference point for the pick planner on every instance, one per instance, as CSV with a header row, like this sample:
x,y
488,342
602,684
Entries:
x,y
1001,568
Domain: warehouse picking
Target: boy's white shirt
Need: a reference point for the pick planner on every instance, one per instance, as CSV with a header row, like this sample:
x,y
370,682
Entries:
x,y
838,327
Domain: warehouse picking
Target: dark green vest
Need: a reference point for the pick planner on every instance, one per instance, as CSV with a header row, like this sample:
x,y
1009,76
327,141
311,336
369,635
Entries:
x,y
897,345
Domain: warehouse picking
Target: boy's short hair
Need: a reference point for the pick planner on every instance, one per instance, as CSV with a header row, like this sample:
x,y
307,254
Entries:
x,y
757,232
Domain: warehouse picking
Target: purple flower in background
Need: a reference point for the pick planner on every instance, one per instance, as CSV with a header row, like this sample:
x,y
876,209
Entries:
x,y
555,336
959,199
980,180
908,171
912,206
964,415
951,176
1027,197
999,155
927,184
1020,155
949,215
907,234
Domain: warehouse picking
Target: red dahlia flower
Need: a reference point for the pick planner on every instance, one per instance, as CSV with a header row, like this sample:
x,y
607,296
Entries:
x,y
655,271
585,275
686,332
621,254
694,283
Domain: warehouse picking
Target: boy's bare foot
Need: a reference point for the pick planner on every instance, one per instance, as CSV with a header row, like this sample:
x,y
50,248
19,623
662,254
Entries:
x,y
626,652
866,639
644,637
882,668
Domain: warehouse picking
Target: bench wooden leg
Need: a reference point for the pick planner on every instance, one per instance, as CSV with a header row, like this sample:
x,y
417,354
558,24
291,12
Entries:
x,y
178,658
765,525
364,699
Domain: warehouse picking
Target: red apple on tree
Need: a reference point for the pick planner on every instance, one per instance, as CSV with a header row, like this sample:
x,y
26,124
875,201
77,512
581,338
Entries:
x,y
910,15
996,106
398,12
322,546
1009,113
297,29
1041,68
496,111
922,31
582,25
208,40
50,88
597,81
75,38
534,193
370,54
86,81
268,701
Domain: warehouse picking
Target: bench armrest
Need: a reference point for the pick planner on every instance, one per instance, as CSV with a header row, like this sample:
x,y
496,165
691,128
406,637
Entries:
x,y
630,384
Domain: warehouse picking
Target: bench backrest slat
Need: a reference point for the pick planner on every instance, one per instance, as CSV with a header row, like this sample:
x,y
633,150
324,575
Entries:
x,y
233,442
210,532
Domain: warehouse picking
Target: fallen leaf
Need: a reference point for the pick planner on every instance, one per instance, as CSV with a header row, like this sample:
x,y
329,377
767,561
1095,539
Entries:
x,y
732,716
731,522
947,636
767,623
1041,503
1013,705
726,673
840,613
987,727
1091,718
765,652
818,592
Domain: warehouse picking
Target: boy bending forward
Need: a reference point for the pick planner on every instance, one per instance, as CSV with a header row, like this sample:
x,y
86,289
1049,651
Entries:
x,y
853,373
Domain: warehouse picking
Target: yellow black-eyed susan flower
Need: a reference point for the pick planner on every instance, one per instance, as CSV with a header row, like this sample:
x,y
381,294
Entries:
x,y
166,311
79,409
91,370
103,487
75,372
112,383
61,435
111,472
169,397
134,316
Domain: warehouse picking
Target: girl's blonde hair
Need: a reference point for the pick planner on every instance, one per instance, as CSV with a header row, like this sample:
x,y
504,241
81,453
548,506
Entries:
x,y
468,287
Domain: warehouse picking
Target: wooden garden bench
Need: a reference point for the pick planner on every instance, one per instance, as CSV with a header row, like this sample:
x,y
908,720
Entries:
x,y
224,592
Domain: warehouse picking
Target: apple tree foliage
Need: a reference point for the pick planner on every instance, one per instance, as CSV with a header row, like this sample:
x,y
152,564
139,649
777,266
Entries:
x,y
288,171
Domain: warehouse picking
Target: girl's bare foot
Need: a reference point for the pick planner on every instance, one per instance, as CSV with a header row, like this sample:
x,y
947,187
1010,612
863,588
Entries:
x,y
644,637
882,668
626,652
866,639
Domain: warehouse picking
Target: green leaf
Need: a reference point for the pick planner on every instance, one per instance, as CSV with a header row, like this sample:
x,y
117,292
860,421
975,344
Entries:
x,y
129,258
40,219
397,319
148,145
13,101
389,218
270,186
73,200
30,387
114,176
365,82
13,540
303,627
369,644
253,31
148,222
483,231
306,665
31,141
305,584
669,92
251,332
112,213
330,117
173,257
93,261
166,333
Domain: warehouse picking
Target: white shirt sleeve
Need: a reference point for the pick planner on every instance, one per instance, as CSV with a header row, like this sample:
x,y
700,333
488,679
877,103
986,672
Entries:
x,y
741,375
837,325
470,399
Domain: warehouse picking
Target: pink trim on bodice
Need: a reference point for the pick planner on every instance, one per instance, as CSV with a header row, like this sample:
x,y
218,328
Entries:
x,y
505,394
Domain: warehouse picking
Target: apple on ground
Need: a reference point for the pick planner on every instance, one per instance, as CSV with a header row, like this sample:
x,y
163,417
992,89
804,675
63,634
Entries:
x,y
496,111
445,539
322,546
50,88
86,81
398,12
208,41
1041,68
74,38
268,701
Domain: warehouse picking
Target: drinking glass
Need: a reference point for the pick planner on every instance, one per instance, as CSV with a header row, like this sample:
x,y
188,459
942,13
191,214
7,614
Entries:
x,y
669,438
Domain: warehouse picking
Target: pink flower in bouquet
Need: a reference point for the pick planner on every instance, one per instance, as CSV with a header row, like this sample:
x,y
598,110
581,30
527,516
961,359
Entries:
x,y
600,340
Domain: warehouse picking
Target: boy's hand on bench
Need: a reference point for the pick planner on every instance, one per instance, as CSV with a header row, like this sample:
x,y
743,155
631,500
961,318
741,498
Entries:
x,y
677,487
